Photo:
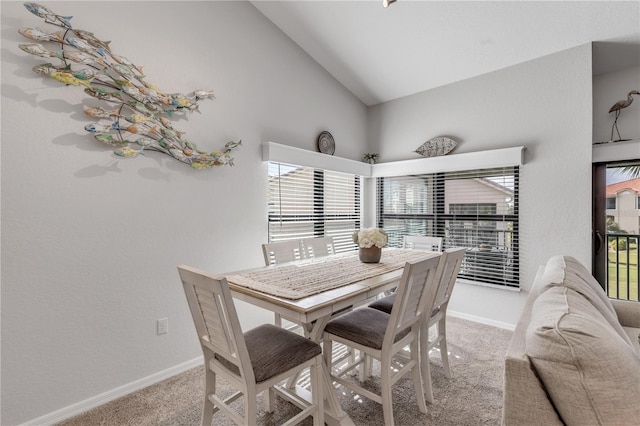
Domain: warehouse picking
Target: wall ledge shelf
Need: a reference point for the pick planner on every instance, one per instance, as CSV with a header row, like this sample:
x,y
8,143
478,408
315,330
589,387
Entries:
x,y
503,157
616,151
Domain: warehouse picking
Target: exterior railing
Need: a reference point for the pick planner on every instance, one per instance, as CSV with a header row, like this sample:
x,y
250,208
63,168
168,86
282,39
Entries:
x,y
623,258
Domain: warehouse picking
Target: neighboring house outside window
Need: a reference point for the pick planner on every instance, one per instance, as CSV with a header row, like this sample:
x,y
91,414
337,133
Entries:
x,y
477,209
307,202
624,210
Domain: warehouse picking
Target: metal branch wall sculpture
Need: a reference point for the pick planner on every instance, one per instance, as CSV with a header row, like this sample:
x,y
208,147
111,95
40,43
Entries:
x,y
139,114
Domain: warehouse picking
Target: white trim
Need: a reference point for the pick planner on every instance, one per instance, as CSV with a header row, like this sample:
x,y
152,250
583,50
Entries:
x,y
482,320
616,151
503,157
98,400
494,286
272,151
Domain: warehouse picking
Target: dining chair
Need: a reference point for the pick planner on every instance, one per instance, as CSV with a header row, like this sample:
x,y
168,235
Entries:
x,y
381,336
451,262
282,251
287,251
321,247
290,250
418,242
318,246
422,242
252,362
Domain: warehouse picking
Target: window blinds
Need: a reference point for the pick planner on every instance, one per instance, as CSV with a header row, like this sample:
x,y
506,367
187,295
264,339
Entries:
x,y
307,202
477,209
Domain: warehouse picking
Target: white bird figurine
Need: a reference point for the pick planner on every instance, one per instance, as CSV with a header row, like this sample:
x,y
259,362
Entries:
x,y
617,107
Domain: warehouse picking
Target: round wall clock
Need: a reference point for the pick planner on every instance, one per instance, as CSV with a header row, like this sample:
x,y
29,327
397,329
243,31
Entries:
x,y
326,144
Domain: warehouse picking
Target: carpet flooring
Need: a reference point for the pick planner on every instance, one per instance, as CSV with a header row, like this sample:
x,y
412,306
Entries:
x,y
473,396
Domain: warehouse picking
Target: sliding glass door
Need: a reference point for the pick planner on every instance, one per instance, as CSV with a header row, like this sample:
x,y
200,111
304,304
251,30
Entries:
x,y
616,228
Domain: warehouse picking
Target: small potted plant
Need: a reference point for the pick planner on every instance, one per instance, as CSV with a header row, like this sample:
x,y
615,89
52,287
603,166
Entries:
x,y
370,241
371,158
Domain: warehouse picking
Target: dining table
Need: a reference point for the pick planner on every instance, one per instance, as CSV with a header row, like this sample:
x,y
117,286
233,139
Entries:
x,y
310,291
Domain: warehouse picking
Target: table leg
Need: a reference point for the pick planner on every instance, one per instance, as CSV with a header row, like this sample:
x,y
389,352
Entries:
x,y
312,331
334,415
332,408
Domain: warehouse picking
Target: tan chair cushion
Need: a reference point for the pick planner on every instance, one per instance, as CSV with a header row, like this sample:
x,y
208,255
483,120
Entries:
x,y
566,271
591,374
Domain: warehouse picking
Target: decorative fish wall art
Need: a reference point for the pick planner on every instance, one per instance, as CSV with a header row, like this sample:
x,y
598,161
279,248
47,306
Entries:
x,y
436,146
139,115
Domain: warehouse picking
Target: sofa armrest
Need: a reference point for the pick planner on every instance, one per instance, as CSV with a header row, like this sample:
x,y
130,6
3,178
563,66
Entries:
x,y
628,312
525,399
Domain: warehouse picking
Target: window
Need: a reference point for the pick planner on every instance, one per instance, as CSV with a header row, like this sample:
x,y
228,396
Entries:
x,y
611,203
309,202
477,209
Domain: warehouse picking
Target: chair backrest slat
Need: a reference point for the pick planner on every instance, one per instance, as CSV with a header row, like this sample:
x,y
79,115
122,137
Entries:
x,y
215,318
451,267
318,247
415,294
282,251
422,242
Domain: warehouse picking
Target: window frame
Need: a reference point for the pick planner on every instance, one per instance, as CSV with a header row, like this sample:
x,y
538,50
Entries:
x,y
437,218
317,216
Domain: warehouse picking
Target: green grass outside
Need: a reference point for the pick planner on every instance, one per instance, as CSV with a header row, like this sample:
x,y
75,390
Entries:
x,y
620,280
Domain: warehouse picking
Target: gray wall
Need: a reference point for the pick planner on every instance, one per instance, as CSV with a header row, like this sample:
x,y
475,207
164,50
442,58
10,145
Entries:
x,y
607,90
91,242
544,105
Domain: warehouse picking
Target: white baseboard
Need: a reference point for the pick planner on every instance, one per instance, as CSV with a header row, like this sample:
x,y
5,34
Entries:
x,y
96,401
482,320
82,406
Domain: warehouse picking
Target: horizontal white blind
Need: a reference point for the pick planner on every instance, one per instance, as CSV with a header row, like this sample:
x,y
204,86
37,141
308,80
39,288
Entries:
x,y
477,209
307,202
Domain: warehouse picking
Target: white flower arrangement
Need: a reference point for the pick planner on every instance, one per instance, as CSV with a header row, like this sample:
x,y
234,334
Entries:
x,y
370,237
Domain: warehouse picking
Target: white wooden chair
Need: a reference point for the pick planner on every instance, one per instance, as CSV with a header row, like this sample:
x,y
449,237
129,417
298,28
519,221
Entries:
x,y
381,336
251,362
318,246
290,250
451,261
452,264
422,243
282,251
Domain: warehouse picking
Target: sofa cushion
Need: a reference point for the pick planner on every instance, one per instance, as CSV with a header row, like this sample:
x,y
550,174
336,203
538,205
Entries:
x,y
591,374
634,336
566,271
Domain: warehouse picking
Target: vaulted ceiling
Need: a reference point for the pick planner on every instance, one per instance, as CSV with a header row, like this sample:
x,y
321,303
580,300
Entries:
x,y
381,54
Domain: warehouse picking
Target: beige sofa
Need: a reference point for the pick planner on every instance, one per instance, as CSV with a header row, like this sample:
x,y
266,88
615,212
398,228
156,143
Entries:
x,y
574,357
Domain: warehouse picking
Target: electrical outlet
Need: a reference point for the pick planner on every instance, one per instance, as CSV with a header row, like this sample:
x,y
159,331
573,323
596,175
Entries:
x,y
163,326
